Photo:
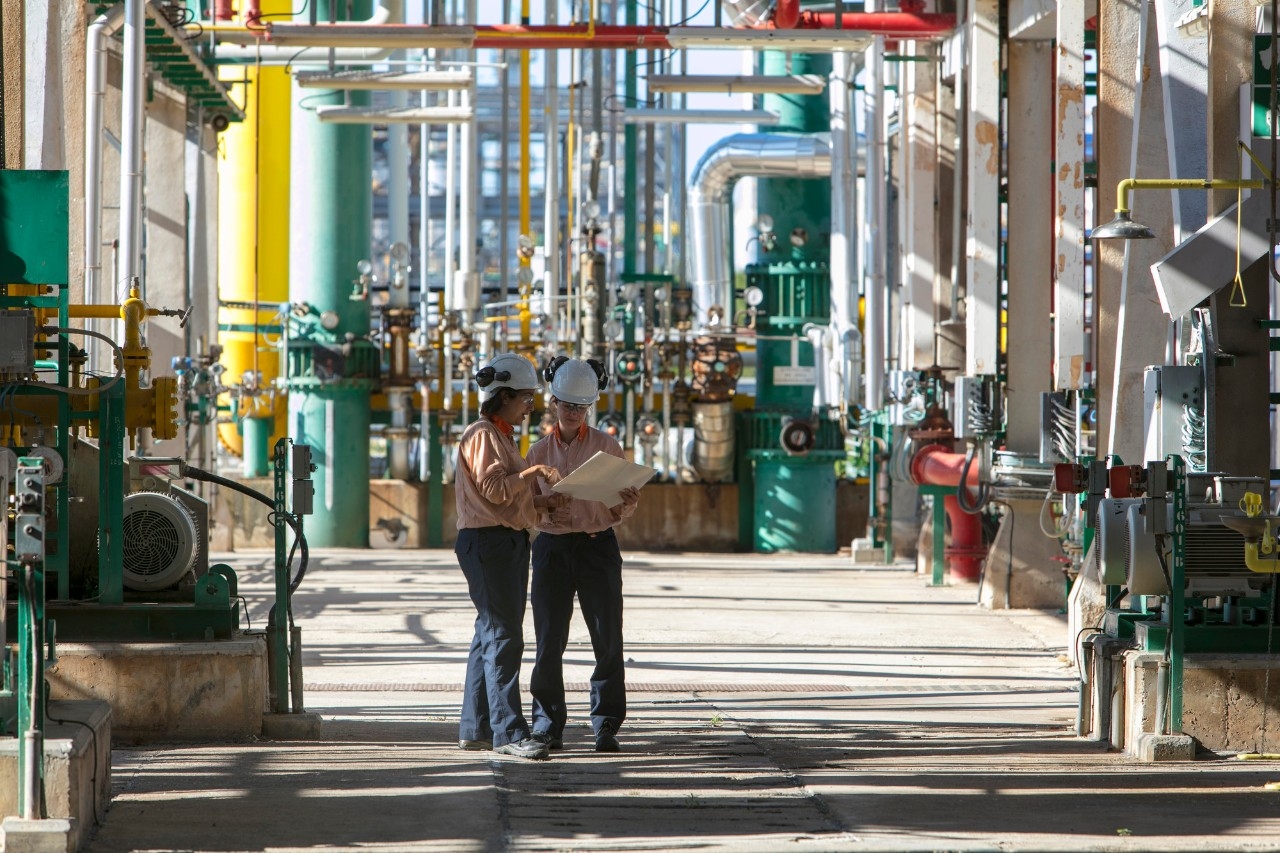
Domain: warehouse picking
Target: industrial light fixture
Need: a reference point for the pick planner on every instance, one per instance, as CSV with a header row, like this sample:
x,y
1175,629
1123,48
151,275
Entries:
x,y
364,79
1124,228
765,117
753,84
404,115
371,35
813,41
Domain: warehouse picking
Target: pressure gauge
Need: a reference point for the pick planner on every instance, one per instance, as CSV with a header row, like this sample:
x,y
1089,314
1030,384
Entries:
x,y
329,319
364,266
764,222
753,296
524,276
399,252
590,209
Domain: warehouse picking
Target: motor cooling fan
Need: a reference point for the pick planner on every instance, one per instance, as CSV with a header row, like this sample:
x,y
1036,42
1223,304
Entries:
x,y
160,543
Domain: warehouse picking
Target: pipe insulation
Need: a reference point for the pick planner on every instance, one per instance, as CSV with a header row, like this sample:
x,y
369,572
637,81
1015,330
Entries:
x,y
757,155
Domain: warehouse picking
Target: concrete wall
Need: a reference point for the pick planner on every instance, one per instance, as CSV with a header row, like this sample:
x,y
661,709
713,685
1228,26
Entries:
x,y
169,691
670,517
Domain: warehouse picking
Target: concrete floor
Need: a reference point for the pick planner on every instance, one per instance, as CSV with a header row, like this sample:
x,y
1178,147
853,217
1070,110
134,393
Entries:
x,y
777,703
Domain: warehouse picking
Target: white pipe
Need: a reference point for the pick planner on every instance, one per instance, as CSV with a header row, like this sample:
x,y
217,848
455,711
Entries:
x,y
387,12
820,338
398,189
95,91
551,192
467,273
711,187
453,300
842,181
133,113
877,212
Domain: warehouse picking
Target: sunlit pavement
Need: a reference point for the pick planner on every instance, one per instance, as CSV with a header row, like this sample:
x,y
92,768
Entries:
x,y
790,702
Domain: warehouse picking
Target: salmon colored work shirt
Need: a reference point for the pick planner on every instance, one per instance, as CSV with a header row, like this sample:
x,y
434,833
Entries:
x,y
487,485
584,516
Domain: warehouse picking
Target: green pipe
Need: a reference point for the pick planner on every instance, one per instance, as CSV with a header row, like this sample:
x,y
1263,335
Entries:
x,y
257,441
330,219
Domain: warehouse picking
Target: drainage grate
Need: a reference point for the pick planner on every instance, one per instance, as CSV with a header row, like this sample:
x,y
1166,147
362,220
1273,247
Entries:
x,y
643,687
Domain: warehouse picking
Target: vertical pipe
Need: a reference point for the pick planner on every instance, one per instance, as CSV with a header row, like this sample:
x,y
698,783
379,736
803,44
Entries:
x,y
551,157
133,114
452,302
630,156
398,183
95,93
877,212
468,278
330,215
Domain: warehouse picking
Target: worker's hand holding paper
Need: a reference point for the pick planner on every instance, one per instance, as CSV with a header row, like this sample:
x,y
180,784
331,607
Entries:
x,y
602,477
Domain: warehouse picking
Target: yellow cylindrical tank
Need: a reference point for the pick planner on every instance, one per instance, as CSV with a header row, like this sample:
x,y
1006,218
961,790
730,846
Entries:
x,y
253,242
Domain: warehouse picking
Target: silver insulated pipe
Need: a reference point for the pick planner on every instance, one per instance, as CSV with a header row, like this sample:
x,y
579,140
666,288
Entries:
x,y
747,13
757,155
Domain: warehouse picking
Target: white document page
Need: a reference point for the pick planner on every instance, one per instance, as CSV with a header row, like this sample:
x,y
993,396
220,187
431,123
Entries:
x,y
602,477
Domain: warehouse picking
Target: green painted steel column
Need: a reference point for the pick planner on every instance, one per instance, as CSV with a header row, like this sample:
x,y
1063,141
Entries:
x,y
332,369
255,444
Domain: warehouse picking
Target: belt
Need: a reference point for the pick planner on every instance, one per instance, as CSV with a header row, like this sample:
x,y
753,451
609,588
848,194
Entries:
x,y
497,528
608,531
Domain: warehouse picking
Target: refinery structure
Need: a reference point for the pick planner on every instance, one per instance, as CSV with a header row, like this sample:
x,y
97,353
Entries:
x,y
986,283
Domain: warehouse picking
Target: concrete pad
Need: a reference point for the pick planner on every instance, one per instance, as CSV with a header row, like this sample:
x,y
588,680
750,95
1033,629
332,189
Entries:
x,y
1152,747
169,691
302,726
77,775
53,835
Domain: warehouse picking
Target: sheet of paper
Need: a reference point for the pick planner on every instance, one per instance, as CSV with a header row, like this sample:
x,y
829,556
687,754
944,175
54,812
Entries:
x,y
602,477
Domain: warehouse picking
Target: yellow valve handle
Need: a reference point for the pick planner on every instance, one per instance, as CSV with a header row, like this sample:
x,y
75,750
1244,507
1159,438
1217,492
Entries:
x,y
1238,299
1251,504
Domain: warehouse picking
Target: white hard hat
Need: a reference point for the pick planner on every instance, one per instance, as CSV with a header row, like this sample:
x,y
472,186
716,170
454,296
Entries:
x,y
507,370
576,381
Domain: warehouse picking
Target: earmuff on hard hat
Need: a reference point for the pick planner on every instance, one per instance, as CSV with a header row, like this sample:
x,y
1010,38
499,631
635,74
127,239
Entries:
x,y
601,374
575,380
507,370
487,375
549,372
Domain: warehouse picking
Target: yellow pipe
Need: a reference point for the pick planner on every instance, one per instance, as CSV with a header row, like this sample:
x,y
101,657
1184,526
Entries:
x,y
1129,184
253,235
1257,563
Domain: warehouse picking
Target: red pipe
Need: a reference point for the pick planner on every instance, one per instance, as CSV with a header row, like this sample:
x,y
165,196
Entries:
x,y
786,14
891,24
568,36
934,465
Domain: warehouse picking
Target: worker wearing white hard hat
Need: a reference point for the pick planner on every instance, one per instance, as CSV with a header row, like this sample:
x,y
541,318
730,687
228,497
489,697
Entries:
x,y
495,494
576,552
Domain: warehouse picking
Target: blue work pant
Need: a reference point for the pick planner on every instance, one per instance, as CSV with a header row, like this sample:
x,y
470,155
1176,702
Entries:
x,y
591,566
495,561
